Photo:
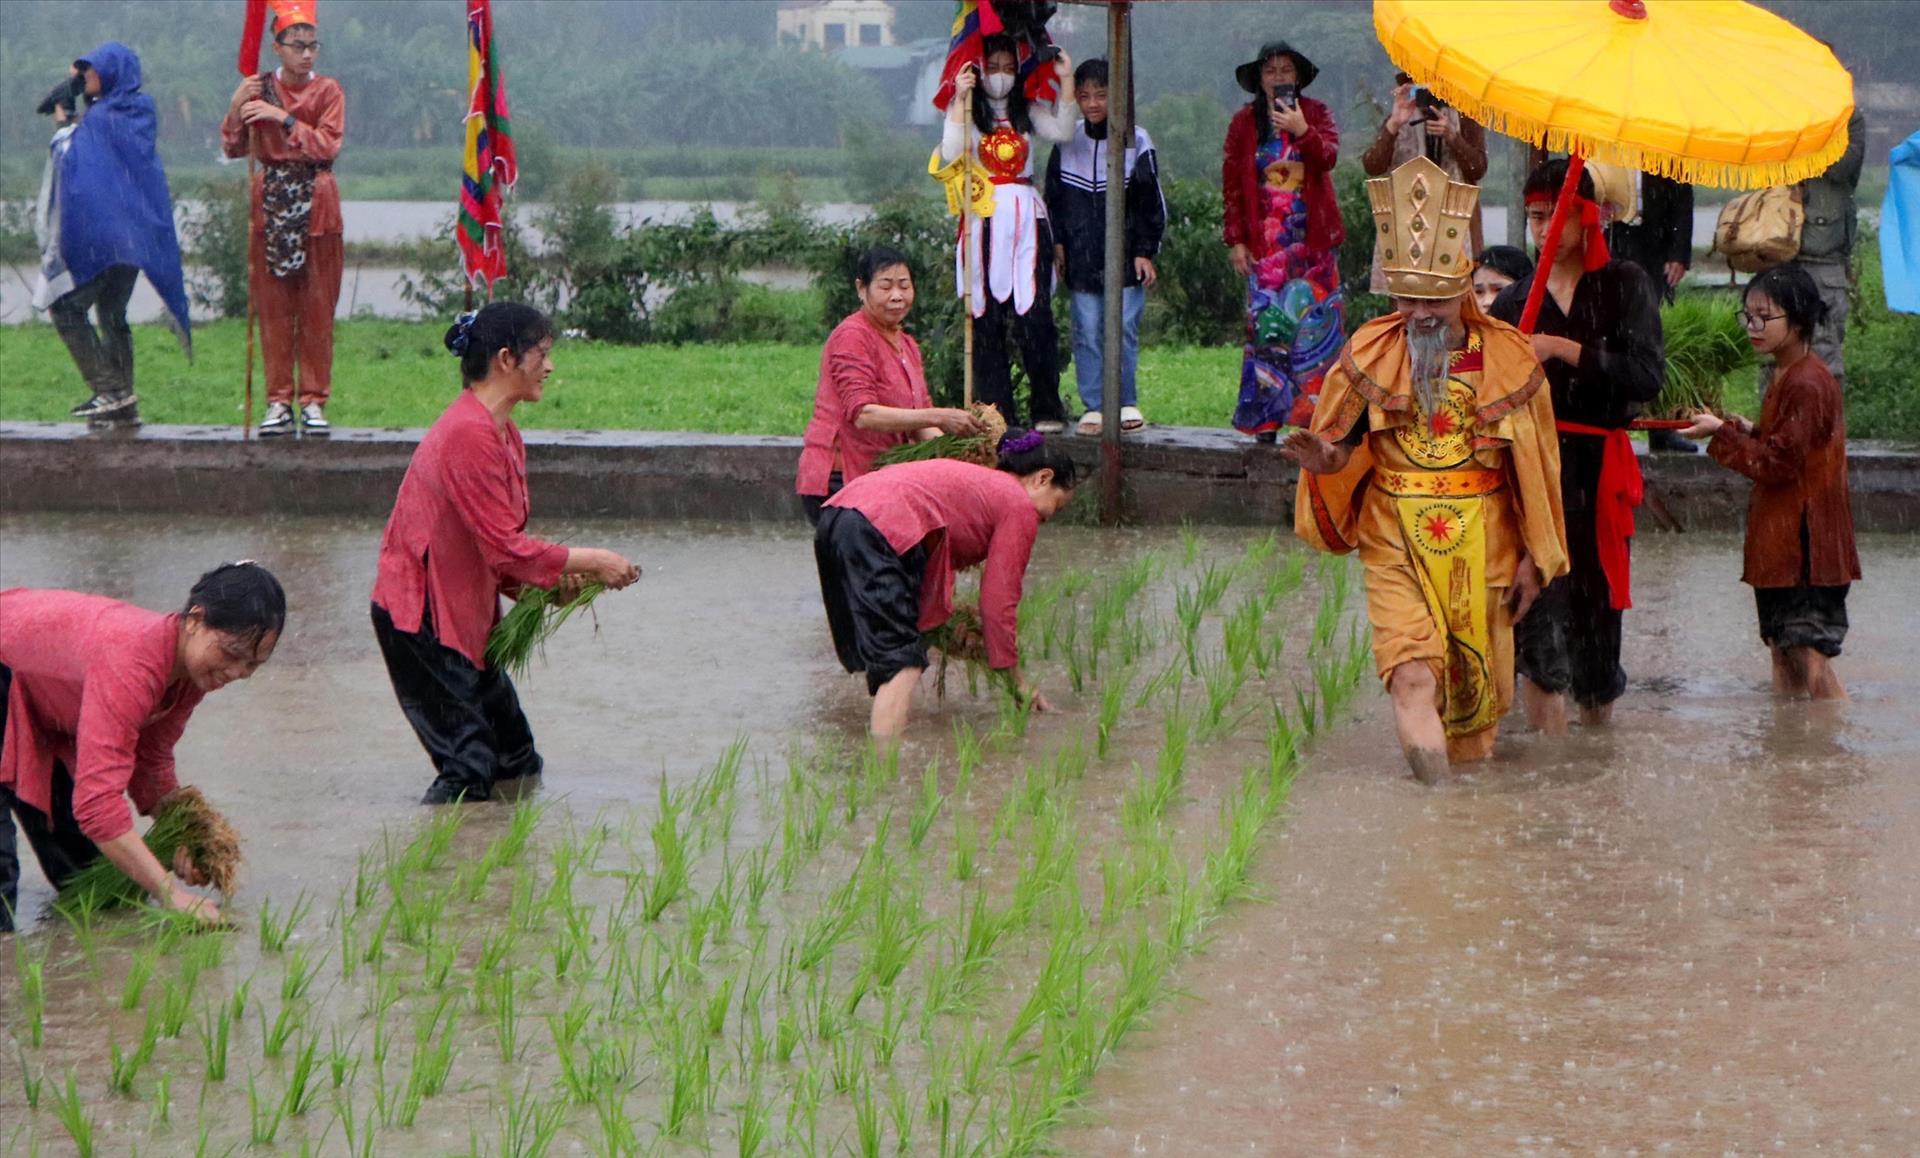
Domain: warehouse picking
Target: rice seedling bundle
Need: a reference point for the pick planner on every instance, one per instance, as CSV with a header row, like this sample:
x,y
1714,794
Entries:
x,y
530,622
1705,343
963,637
183,819
981,449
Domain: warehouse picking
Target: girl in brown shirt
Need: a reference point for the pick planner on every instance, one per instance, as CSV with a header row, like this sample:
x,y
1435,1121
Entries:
x,y
1800,554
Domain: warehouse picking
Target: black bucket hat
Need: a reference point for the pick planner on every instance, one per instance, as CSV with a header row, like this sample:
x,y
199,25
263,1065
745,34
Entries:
x,y
1248,74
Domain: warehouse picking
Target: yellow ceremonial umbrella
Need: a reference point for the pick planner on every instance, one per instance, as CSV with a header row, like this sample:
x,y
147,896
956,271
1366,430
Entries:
x,y
1709,92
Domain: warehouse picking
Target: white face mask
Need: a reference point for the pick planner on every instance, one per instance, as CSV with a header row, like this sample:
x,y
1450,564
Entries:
x,y
998,85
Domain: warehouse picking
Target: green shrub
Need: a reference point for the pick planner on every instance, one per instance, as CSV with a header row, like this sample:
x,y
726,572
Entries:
x,y
213,243
1883,377
1198,300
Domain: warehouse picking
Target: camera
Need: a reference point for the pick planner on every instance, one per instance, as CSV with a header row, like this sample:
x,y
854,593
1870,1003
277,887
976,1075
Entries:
x,y
63,95
1425,100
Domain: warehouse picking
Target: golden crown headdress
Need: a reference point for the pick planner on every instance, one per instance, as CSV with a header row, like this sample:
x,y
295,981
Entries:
x,y
1425,223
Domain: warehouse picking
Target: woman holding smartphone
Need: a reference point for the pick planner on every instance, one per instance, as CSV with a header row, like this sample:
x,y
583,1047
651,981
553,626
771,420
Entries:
x,y
1283,234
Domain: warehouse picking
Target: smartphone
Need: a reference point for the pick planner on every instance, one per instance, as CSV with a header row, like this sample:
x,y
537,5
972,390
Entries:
x,y
1286,96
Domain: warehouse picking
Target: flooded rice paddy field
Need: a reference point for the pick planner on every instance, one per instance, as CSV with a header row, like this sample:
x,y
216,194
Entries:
x,y
1693,933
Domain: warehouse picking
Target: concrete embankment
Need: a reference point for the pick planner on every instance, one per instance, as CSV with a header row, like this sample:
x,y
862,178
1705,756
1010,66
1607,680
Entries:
x,y
1173,475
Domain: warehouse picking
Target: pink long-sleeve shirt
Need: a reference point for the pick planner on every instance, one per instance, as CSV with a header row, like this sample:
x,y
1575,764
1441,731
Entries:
x,y
458,533
92,688
858,368
965,514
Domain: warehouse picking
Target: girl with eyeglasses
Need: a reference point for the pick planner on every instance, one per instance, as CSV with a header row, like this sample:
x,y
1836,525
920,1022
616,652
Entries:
x,y
1800,555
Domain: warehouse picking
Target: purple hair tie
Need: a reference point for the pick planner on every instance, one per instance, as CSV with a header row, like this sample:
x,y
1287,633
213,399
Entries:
x,y
1031,440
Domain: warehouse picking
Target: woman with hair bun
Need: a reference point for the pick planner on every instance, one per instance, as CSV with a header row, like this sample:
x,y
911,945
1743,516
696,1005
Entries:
x,y
94,694
888,546
456,542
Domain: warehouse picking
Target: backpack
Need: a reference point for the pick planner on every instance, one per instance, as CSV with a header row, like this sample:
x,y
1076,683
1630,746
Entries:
x,y
1760,229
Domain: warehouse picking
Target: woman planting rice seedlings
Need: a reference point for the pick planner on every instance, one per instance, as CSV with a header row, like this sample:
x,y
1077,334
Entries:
x,y
873,387
96,694
888,546
456,542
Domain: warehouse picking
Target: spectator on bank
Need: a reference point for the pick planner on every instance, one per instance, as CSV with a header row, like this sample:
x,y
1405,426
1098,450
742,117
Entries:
x,y
1826,243
292,120
1800,553
1283,232
873,386
1494,269
104,216
1422,125
1656,234
1076,196
1008,282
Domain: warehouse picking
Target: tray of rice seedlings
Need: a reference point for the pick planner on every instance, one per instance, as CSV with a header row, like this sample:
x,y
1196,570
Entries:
x,y
531,621
183,821
981,449
1705,343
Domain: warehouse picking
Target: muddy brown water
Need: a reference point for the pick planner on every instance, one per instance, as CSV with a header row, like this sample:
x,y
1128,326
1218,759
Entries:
x,y
1694,933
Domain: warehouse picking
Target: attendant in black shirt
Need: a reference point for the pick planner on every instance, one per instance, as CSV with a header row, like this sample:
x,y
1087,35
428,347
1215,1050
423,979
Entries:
x,y
1598,336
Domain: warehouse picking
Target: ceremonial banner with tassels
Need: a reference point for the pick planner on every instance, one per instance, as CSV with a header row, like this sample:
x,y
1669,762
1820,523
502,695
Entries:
x,y
974,21
488,166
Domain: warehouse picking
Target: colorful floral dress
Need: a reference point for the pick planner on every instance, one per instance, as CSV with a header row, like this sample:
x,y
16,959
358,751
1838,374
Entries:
x,y
1295,311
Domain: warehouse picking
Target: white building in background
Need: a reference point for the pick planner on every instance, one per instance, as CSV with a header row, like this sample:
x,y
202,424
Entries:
x,y
831,25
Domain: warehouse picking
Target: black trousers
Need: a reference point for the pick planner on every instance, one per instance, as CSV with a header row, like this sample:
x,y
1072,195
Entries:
x,y
872,595
810,504
55,838
1036,336
1570,641
467,718
105,356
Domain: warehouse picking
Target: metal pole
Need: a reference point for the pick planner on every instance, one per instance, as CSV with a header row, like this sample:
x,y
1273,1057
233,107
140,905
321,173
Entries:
x,y
1113,276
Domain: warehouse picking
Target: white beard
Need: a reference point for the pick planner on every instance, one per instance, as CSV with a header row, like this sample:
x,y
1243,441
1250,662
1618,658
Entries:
x,y
1429,350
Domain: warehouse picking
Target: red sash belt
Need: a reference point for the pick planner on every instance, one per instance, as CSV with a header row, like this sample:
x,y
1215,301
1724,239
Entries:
x,y
1621,489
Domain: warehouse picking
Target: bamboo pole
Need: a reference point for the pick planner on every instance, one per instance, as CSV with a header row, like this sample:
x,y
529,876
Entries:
x,y
253,295
1114,272
966,249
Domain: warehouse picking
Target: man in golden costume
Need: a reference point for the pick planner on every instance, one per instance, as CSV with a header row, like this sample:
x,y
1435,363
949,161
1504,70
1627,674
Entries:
x,y
1432,452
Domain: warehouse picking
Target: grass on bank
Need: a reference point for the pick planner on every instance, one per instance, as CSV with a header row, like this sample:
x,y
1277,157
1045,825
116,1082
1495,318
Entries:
x,y
390,373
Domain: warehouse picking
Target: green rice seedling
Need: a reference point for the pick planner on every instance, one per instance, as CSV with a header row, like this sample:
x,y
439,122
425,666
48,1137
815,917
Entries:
x,y
274,1038
274,931
1189,543
30,1082
139,972
1221,683
176,1003
529,1126
161,1111
752,1126
1307,711
846,1063
897,923
216,1023
967,750
885,1038
531,621
72,1113
759,879
1113,698
786,1036
1170,766
359,1138
979,936
343,1060
866,1119
124,1065
300,972
618,1138
264,1115
303,1085
1185,918
966,842
928,809
416,913
901,1112
432,1057
717,1004
1242,816
30,966
1261,549
1142,966
831,924
506,1016
689,1078
803,1113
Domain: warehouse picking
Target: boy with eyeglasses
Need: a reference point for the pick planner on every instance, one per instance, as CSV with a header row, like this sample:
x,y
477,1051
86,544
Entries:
x,y
291,120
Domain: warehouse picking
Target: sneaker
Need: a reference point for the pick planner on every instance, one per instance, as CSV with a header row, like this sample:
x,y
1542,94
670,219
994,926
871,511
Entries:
x,y
103,406
1092,423
279,420
315,419
1050,426
1131,418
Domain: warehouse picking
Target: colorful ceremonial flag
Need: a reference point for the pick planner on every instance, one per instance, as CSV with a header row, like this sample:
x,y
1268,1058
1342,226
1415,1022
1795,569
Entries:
x,y
489,169
974,21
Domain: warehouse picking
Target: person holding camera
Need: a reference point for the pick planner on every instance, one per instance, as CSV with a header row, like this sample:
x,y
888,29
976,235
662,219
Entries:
x,y
291,120
1283,232
103,217
1423,125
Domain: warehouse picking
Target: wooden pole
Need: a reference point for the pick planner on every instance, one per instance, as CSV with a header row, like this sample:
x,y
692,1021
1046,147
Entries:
x,y
253,295
1113,274
966,250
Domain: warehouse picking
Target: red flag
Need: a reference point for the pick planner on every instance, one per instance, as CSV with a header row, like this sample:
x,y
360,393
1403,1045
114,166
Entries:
x,y
250,32
488,165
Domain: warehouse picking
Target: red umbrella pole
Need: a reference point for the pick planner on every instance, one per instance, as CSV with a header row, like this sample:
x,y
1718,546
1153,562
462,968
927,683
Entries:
x,y
1550,245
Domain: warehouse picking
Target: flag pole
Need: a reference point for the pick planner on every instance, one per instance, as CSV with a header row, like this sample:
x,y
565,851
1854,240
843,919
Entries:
x,y
253,296
966,248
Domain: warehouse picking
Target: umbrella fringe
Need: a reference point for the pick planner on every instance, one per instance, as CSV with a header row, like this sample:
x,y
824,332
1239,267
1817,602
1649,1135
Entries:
x,y
1688,170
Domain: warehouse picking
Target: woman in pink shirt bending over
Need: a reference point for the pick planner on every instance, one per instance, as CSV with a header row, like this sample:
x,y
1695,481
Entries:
x,y
873,387
456,542
888,546
94,693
